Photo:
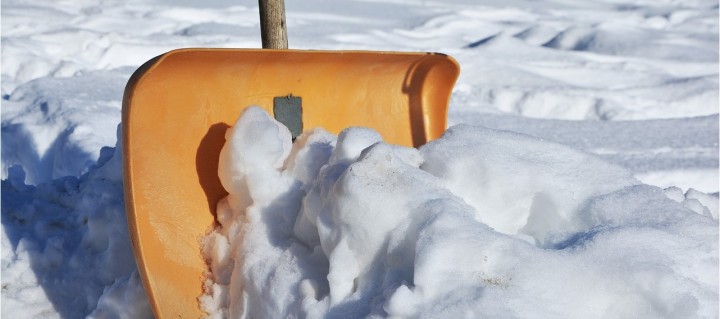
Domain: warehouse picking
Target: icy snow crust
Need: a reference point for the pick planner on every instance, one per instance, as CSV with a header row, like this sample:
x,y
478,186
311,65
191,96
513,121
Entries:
x,y
478,223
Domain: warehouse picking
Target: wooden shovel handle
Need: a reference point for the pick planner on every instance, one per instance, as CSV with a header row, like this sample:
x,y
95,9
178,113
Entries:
x,y
272,24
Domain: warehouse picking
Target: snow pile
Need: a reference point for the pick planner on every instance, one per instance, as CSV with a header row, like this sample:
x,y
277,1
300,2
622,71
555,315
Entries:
x,y
480,222
65,248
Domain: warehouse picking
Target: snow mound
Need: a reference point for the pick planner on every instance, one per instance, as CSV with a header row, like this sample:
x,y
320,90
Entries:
x,y
479,222
65,246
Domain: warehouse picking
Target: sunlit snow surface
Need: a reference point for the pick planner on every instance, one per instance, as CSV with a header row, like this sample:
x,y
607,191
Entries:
x,y
633,82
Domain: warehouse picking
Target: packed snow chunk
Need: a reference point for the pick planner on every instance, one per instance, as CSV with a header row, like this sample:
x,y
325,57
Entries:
x,y
477,223
697,201
257,143
367,217
708,203
352,142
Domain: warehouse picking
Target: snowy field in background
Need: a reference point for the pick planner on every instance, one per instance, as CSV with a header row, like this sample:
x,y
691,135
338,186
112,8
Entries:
x,y
633,82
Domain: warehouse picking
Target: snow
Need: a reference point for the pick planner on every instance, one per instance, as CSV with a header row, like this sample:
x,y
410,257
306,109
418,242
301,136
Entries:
x,y
563,114
478,222
69,235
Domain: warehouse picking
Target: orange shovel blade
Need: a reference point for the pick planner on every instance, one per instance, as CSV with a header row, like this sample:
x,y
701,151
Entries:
x,y
176,109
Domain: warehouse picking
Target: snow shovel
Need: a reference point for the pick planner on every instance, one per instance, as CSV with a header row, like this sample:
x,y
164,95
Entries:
x,y
177,106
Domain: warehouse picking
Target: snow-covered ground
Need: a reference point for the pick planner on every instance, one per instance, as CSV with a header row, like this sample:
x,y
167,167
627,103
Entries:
x,y
634,82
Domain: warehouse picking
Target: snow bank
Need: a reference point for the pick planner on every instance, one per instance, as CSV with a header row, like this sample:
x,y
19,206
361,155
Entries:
x,y
56,127
65,246
479,222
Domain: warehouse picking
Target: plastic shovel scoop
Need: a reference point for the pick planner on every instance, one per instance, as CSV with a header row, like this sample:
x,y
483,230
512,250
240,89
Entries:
x,y
178,106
